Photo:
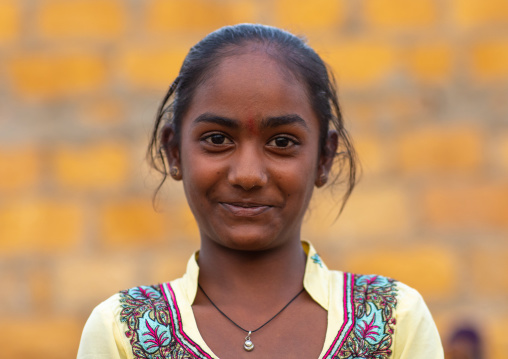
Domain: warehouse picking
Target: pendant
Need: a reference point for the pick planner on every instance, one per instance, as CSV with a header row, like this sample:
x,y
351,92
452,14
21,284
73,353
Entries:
x,y
248,345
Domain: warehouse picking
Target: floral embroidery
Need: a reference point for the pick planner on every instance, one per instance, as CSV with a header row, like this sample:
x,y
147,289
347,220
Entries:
x,y
146,313
348,319
317,259
150,338
374,302
154,321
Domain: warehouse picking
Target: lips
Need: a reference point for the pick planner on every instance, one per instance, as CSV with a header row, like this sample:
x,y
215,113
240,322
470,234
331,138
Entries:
x,y
245,209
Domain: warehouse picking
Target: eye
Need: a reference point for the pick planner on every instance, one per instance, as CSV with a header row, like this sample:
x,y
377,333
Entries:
x,y
217,139
282,142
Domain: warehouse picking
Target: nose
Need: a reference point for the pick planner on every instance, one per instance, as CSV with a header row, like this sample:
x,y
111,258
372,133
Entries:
x,y
247,169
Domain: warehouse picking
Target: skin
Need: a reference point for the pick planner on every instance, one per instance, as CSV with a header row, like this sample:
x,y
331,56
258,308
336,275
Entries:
x,y
249,159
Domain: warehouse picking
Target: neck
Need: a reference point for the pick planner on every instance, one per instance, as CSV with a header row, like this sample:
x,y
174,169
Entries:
x,y
273,272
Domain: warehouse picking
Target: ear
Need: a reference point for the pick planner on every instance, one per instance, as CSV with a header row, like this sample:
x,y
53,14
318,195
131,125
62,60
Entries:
x,y
171,148
326,158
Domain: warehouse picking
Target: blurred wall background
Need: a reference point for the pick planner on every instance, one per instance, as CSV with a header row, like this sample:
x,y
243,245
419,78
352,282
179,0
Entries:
x,y
424,90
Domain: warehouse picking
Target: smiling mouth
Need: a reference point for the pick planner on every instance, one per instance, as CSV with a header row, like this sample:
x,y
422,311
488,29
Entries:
x,y
245,209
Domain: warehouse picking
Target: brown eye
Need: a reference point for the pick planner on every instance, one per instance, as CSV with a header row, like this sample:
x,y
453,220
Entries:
x,y
282,142
218,139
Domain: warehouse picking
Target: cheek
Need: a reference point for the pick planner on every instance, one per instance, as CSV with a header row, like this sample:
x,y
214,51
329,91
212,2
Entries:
x,y
200,174
296,179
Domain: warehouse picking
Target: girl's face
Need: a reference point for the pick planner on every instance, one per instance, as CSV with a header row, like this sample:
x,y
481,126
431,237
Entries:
x,y
249,154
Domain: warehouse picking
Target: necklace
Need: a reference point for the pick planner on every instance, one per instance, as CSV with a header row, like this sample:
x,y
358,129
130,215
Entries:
x,y
249,345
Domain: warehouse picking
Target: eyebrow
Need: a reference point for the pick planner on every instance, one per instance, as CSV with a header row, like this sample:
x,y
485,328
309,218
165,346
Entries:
x,y
277,121
271,122
219,120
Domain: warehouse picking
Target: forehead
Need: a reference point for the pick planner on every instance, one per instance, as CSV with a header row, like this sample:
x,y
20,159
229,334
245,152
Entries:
x,y
252,83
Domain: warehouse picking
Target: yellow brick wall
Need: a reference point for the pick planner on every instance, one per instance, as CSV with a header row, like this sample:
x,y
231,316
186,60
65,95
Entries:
x,y
424,89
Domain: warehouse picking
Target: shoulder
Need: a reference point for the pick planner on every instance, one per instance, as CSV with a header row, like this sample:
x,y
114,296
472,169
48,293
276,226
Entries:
x,y
372,282
384,292
102,335
105,313
391,319
417,335
124,303
116,326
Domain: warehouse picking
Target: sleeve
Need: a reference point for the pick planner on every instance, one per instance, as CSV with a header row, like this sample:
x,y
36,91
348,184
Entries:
x,y
416,335
102,337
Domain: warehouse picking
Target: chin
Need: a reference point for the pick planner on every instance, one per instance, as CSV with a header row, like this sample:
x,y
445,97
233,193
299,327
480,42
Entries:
x,y
249,241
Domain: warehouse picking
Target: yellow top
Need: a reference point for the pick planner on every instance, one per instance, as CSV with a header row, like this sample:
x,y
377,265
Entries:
x,y
367,315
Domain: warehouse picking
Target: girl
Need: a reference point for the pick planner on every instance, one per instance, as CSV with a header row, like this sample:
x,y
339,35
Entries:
x,y
251,125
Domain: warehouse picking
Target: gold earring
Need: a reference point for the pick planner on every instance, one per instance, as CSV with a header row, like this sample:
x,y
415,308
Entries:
x,y
174,172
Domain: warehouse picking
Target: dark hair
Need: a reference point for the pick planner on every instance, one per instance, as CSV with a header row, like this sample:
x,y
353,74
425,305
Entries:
x,y
290,51
468,337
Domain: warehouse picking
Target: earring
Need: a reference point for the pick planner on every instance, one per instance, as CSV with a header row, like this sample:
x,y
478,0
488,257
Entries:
x,y
174,172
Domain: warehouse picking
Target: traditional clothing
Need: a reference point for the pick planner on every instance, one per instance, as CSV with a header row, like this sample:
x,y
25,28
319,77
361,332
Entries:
x,y
369,316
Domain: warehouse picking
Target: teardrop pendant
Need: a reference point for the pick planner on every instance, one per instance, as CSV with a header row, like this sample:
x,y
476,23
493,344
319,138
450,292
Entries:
x,y
248,345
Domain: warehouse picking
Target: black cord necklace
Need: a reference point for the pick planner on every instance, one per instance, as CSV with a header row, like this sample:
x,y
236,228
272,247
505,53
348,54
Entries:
x,y
248,345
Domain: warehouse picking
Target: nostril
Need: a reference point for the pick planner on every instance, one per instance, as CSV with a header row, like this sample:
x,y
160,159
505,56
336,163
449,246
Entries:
x,y
248,170
248,180
249,184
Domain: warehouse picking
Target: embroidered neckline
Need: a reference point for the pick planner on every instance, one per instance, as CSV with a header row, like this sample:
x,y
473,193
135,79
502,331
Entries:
x,y
176,323
349,317
155,327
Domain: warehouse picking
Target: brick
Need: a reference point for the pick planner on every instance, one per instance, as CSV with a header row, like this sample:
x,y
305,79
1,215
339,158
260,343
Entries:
x,y
12,281
49,337
430,62
198,15
377,211
20,168
400,14
151,67
306,15
103,111
105,274
432,270
39,280
80,19
359,63
358,116
373,154
500,157
473,13
175,206
371,212
466,206
489,60
496,342
170,265
441,150
186,224
10,16
399,109
91,167
25,288
489,268
133,221
44,75
40,225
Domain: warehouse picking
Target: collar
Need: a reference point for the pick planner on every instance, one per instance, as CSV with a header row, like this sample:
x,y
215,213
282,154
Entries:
x,y
315,280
